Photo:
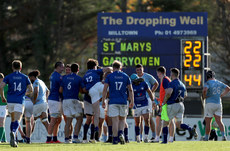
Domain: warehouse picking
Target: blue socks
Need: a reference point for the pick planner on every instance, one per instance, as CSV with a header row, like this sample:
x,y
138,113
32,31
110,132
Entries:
x,y
120,132
115,140
92,128
137,130
54,138
185,127
75,136
165,134
96,129
14,126
146,129
126,134
110,130
85,131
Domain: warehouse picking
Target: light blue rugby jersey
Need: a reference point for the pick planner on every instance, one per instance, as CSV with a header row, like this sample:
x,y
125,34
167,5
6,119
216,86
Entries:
x,y
150,80
41,91
215,88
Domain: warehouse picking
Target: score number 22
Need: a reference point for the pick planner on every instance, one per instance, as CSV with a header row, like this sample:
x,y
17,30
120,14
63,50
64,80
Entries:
x,y
188,55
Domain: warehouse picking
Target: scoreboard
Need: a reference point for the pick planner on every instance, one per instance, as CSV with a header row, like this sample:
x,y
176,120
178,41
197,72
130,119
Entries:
x,y
156,39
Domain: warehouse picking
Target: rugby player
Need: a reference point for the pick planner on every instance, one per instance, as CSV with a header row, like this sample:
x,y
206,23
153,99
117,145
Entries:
x,y
67,72
88,111
54,103
94,86
141,108
161,73
40,97
213,91
3,112
71,85
118,82
153,84
29,119
174,96
18,83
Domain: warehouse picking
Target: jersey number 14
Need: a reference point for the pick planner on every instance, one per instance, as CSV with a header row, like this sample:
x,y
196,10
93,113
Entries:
x,y
17,88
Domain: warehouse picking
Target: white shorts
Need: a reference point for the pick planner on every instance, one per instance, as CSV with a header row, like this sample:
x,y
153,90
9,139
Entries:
x,y
211,109
88,108
39,109
140,111
28,108
176,110
15,107
54,107
3,111
102,112
72,108
96,91
117,110
150,105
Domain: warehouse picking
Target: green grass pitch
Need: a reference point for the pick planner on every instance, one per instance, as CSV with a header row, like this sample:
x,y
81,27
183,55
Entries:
x,y
133,146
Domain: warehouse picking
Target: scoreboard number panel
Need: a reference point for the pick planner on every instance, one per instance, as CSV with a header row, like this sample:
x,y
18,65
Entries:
x,y
192,63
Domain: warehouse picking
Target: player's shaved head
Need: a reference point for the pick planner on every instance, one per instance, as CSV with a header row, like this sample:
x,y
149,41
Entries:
x,y
75,67
175,72
58,64
139,66
1,75
17,64
92,63
117,64
161,69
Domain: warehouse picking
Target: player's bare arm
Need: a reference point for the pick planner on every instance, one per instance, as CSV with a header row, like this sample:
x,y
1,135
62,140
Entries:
x,y
29,89
2,85
155,86
36,90
168,93
47,94
104,94
226,90
131,95
204,92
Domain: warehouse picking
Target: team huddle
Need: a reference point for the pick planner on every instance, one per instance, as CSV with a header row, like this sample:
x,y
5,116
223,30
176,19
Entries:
x,y
108,95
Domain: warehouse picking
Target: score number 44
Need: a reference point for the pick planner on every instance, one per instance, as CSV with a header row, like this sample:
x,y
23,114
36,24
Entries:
x,y
190,78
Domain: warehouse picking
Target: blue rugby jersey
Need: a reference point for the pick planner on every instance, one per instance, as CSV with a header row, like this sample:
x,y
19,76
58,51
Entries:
x,y
71,85
55,83
178,90
92,77
140,99
17,85
118,82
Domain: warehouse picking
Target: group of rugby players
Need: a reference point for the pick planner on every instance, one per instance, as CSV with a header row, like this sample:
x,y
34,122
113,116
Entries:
x,y
108,95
